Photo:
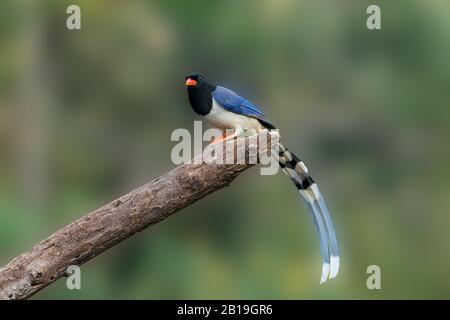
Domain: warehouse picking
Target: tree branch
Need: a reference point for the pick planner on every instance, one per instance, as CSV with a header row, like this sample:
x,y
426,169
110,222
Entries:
x,y
103,228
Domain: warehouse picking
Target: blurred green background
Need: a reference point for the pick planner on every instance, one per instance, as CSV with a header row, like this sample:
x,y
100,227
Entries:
x,y
87,115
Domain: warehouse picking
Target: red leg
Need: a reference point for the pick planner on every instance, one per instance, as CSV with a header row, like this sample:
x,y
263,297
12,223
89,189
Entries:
x,y
219,139
226,137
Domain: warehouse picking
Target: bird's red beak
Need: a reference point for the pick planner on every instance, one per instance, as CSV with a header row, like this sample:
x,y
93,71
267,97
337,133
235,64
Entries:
x,y
190,82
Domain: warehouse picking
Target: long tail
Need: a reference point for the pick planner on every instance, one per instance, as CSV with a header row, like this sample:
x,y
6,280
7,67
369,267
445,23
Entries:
x,y
295,169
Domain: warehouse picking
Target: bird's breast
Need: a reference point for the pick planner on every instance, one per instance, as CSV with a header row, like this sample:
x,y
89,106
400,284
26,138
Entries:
x,y
223,119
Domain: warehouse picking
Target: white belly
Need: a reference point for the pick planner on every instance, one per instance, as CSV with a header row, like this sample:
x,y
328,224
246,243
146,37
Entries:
x,y
222,119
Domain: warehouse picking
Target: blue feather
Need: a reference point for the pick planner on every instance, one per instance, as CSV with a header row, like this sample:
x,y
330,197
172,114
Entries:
x,y
232,102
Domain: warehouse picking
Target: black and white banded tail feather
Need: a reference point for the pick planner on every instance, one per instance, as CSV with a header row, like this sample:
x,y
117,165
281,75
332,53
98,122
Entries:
x,y
295,169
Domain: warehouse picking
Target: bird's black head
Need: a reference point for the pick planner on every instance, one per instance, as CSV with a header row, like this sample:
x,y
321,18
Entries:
x,y
199,92
193,79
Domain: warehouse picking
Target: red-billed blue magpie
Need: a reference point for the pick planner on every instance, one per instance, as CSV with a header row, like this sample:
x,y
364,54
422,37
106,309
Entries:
x,y
224,109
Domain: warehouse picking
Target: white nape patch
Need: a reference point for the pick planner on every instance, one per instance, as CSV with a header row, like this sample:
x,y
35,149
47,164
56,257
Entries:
x,y
334,266
325,272
223,119
300,167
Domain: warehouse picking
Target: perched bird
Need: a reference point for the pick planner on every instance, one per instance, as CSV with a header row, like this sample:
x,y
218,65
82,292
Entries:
x,y
224,109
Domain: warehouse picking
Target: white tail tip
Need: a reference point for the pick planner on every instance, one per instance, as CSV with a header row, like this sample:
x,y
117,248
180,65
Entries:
x,y
325,272
334,266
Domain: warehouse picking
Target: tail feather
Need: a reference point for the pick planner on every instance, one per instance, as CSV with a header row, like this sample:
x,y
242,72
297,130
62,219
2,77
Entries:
x,y
323,240
332,238
295,169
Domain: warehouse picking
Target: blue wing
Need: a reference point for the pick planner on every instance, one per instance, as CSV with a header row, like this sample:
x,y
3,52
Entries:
x,y
232,102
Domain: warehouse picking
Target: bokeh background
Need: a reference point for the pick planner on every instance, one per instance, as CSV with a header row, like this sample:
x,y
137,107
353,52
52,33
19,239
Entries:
x,y
87,115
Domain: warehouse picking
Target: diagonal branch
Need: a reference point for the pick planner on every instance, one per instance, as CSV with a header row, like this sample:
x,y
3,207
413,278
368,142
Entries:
x,y
90,235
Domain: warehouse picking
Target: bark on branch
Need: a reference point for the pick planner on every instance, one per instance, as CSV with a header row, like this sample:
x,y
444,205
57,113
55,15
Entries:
x,y
103,228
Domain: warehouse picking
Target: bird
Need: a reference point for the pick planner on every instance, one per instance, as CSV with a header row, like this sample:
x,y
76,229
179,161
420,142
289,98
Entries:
x,y
225,109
